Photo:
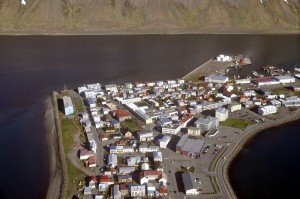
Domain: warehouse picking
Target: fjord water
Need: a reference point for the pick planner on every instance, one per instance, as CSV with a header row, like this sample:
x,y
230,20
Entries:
x,y
33,66
268,167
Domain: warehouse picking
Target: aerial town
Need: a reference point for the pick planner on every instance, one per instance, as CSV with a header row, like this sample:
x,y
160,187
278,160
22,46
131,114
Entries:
x,y
163,139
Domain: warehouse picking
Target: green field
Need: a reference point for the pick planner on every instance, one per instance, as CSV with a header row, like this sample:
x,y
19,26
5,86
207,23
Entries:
x,y
284,91
131,125
193,77
214,183
68,127
190,169
79,107
236,123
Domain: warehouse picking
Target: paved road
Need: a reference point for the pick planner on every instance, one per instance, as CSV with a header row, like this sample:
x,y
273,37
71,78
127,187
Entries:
x,y
223,182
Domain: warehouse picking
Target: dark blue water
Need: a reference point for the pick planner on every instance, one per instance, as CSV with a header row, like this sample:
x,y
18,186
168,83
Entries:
x,y
268,167
32,66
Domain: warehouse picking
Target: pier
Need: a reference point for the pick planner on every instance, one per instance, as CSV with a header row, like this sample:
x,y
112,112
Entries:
x,y
214,66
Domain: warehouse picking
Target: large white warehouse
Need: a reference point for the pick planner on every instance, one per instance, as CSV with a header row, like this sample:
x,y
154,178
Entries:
x,y
267,110
68,105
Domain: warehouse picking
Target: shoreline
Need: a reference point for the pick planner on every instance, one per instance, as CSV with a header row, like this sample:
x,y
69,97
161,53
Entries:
x,y
223,167
57,183
196,70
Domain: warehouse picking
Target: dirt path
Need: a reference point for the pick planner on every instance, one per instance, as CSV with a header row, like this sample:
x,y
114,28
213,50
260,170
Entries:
x,y
55,177
72,156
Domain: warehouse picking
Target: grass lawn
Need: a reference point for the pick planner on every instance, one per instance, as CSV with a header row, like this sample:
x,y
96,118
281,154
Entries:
x,y
131,125
236,123
214,183
278,91
68,130
65,93
74,175
79,107
190,169
193,77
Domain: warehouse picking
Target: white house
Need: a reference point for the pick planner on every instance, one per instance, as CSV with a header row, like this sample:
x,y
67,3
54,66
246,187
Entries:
x,y
115,192
189,183
93,145
285,79
96,118
91,102
171,129
93,182
205,124
85,154
95,86
111,88
219,79
145,135
68,105
126,170
146,149
267,110
249,93
137,191
221,114
23,2
133,161
99,124
121,149
144,180
223,58
150,190
164,141
242,81
157,156
87,191
194,131
145,166
163,179
112,160
275,102
92,161
235,107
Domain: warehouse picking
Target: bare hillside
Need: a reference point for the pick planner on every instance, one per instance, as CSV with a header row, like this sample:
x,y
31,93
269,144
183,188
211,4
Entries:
x,y
149,16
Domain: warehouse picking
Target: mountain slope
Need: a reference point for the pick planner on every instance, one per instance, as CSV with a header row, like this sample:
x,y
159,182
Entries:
x,y
150,16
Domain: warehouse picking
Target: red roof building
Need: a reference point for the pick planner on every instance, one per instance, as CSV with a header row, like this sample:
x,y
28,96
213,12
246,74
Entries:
x,y
94,179
105,180
122,114
264,81
92,161
150,174
163,191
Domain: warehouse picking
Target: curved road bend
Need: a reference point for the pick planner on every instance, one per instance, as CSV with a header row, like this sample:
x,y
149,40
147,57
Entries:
x,y
222,164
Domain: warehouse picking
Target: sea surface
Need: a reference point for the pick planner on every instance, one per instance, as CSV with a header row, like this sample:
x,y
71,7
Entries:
x,y
33,66
268,167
